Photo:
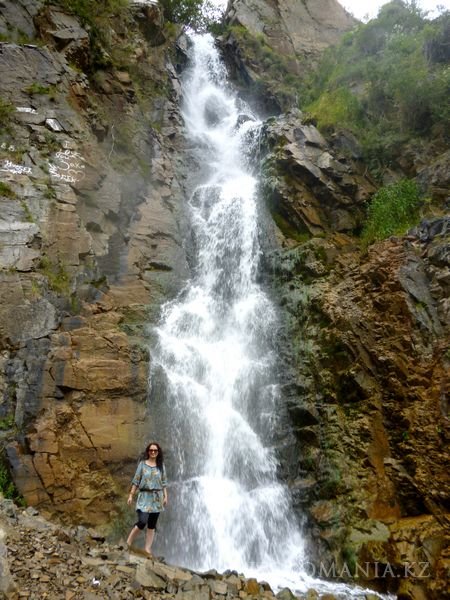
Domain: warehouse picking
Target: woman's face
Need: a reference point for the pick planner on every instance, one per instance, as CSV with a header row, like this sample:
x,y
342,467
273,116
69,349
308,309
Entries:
x,y
153,451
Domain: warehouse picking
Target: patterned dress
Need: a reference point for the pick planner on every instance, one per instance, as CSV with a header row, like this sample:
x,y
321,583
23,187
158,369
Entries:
x,y
151,483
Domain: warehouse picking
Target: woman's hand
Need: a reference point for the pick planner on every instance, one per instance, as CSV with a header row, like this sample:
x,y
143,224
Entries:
x,y
130,499
165,499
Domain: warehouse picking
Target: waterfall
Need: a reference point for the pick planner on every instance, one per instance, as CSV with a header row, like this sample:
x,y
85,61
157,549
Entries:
x,y
214,348
214,358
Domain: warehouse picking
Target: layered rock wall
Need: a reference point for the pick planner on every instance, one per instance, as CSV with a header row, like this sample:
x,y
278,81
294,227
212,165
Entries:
x,y
91,244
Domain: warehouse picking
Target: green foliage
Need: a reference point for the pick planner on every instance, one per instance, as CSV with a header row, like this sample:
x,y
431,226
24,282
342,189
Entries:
x,y
392,211
273,68
57,276
6,111
6,190
349,558
337,106
87,13
7,487
7,422
197,14
387,82
182,11
39,89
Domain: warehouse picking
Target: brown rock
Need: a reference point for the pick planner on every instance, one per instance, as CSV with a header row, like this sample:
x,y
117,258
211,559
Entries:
x,y
146,577
252,587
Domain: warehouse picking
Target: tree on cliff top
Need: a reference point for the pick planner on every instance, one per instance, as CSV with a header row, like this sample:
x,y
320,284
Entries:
x,y
198,14
194,13
187,12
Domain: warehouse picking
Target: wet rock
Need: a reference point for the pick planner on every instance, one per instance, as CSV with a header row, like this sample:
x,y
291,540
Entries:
x,y
304,182
285,594
92,244
252,587
363,333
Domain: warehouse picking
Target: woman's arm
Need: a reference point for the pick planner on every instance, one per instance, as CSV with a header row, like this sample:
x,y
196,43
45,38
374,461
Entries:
x,y
133,490
135,484
164,484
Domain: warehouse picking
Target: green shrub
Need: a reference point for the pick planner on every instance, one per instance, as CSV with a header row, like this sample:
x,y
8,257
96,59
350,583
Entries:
x,y
6,423
37,89
337,106
182,11
6,190
387,82
6,111
57,275
393,210
7,487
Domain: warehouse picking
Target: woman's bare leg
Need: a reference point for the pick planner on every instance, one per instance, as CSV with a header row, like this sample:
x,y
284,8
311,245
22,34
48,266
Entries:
x,y
133,535
150,534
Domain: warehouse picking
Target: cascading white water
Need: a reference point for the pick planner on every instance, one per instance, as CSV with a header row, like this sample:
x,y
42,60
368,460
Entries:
x,y
214,349
214,353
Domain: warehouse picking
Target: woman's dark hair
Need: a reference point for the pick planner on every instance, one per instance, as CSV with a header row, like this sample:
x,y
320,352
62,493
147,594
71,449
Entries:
x,y
159,456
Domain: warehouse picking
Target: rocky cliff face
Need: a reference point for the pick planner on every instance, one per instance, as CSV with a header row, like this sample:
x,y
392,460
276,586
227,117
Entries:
x,y
298,30
91,244
365,351
271,45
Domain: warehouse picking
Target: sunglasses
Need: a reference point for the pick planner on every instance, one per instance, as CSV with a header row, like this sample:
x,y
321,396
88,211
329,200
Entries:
x,y
153,450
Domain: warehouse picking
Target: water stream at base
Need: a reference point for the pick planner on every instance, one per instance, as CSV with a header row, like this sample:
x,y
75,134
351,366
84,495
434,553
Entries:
x,y
214,355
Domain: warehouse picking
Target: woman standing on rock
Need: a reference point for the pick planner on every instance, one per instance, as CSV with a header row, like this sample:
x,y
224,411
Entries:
x,y
150,481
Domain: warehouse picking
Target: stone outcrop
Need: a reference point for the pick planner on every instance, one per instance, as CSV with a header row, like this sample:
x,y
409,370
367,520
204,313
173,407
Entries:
x,y
310,188
93,178
270,46
298,30
364,344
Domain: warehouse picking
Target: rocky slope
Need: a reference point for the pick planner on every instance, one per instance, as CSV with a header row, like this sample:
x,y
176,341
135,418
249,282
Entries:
x,y
93,179
39,559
